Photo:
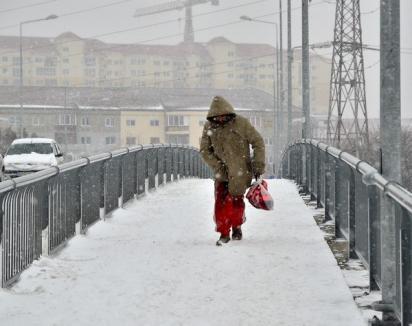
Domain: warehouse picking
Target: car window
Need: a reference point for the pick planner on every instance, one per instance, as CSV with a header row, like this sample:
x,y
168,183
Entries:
x,y
59,150
55,151
39,148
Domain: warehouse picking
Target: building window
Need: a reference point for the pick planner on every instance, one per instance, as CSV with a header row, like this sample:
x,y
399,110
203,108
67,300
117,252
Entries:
x,y
231,54
110,140
178,139
66,71
35,121
45,71
154,123
5,59
255,121
90,72
177,121
65,60
130,141
85,121
66,49
109,122
13,120
86,140
50,82
50,62
268,141
202,123
66,120
154,140
156,63
130,122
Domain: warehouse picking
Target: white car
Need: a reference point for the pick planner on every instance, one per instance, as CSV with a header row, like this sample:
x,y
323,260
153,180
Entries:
x,y
29,155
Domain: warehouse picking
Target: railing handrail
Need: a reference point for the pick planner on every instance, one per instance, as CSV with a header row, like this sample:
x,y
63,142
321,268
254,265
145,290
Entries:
x,y
370,175
25,180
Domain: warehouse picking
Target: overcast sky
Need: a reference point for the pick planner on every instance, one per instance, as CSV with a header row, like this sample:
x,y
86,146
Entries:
x,y
118,16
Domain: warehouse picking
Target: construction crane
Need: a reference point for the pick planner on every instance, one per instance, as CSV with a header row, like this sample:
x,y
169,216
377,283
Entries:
x,y
177,5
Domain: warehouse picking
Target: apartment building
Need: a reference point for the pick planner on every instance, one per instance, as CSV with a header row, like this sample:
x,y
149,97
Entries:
x,y
71,61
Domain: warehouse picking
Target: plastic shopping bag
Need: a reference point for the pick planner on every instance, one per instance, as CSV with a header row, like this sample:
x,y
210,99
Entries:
x,y
259,196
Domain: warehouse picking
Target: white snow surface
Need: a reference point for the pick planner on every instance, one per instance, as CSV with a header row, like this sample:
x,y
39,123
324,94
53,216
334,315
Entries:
x,y
155,263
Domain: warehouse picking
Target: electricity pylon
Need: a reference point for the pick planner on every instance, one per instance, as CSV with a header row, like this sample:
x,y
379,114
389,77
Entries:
x,y
348,118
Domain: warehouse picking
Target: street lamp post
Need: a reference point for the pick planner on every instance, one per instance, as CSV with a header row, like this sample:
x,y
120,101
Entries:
x,y
50,17
276,92
305,69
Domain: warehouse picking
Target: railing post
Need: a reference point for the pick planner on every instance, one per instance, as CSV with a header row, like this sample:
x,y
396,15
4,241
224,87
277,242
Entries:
x,y
406,263
327,187
374,245
151,167
341,198
141,171
352,216
169,159
318,179
160,165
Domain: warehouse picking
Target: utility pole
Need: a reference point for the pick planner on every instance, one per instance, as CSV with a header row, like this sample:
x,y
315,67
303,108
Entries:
x,y
305,69
290,58
281,92
390,133
347,86
189,33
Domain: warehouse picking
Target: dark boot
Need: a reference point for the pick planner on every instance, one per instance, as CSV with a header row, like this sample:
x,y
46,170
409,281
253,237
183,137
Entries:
x,y
237,233
223,239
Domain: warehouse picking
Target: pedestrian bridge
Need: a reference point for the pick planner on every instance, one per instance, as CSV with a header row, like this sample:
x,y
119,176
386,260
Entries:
x,y
92,243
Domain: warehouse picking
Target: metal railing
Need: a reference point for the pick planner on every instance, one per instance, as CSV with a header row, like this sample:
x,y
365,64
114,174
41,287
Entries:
x,y
39,212
360,201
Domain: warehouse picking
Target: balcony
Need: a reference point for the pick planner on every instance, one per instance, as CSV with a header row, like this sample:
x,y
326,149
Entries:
x,y
177,128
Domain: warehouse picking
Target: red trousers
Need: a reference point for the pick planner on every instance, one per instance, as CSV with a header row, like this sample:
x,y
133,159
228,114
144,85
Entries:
x,y
229,210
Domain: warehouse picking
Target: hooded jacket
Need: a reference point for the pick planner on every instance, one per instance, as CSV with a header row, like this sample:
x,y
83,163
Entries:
x,y
226,148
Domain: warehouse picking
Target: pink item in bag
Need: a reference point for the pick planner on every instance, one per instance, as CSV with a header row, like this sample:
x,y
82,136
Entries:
x,y
259,196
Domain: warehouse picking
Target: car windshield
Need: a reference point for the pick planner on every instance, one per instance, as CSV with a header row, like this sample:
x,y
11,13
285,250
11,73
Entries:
x,y
40,148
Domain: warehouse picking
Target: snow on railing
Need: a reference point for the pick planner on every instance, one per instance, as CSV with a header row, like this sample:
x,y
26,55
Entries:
x,y
40,212
361,202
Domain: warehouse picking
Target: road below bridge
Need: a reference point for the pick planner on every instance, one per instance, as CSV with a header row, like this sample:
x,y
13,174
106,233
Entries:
x,y
155,263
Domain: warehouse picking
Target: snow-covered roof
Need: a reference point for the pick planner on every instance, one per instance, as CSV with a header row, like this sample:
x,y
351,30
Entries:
x,y
34,141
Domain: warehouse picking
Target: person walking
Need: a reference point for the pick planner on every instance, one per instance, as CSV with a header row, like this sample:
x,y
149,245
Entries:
x,y
225,147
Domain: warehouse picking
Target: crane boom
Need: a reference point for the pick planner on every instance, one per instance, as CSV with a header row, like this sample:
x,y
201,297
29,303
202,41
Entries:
x,y
176,5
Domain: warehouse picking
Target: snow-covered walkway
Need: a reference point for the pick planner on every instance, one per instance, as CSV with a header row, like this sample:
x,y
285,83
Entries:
x,y
155,263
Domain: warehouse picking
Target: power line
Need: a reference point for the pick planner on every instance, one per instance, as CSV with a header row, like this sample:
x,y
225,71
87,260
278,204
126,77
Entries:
x,y
124,1
27,6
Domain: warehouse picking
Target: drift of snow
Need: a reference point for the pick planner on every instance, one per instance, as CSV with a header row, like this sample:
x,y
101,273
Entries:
x,y
155,263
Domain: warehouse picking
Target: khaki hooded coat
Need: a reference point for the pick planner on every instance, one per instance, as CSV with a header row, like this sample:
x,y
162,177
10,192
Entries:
x,y
226,148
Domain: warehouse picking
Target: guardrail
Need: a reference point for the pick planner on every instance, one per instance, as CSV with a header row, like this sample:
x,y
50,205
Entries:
x,y
39,212
364,206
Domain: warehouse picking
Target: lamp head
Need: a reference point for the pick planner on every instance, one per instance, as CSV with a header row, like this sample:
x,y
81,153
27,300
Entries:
x,y
246,18
51,17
